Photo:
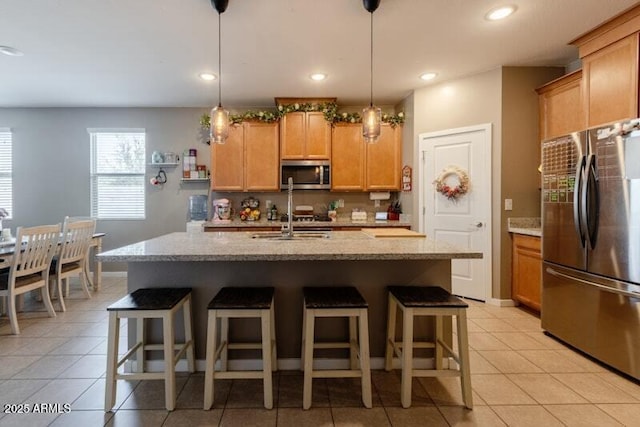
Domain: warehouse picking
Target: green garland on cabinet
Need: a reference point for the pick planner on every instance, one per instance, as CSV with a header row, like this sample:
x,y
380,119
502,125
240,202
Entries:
x,y
329,109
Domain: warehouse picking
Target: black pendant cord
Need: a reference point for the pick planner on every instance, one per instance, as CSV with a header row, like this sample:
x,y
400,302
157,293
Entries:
x,y
371,98
219,62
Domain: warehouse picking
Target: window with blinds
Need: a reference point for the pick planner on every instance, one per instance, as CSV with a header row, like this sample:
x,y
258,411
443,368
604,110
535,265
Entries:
x,y
6,180
118,173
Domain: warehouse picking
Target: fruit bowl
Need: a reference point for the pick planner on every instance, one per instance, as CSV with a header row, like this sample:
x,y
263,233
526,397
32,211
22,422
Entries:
x,y
248,214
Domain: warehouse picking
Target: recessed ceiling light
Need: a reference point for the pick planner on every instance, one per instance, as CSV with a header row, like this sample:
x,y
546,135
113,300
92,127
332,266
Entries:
x,y
500,12
428,76
10,51
318,76
207,76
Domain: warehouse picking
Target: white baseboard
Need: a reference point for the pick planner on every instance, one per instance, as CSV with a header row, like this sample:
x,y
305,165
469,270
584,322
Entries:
x,y
501,302
283,364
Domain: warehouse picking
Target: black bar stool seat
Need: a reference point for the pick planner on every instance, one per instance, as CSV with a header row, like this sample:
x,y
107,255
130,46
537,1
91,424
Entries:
x,y
242,298
150,299
425,296
333,297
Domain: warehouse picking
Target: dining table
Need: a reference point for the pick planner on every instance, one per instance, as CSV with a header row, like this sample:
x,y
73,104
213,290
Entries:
x,y
8,246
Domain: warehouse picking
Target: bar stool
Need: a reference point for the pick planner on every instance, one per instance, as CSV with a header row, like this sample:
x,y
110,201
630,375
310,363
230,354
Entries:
x,y
427,301
234,302
336,302
143,304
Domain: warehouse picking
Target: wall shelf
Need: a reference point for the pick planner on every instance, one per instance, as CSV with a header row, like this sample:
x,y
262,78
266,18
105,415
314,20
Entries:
x,y
163,165
194,179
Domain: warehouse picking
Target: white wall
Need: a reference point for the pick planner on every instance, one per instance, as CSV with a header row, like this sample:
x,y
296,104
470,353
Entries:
x,y
464,102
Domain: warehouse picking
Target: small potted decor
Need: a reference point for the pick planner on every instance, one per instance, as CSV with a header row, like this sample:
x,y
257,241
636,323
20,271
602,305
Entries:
x,y
394,211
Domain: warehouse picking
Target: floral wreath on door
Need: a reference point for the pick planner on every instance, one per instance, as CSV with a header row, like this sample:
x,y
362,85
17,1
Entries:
x,y
452,192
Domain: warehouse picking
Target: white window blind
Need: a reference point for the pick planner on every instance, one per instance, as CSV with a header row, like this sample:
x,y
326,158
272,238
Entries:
x,y
6,171
118,174
6,180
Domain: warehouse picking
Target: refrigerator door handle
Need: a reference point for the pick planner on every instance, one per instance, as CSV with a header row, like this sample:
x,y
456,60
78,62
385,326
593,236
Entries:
x,y
589,190
577,196
586,282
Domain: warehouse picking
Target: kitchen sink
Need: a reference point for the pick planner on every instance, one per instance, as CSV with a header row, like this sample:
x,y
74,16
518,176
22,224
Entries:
x,y
297,235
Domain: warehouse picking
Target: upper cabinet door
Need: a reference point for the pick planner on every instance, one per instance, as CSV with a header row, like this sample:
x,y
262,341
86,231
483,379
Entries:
x,y
347,158
227,162
305,135
610,82
292,135
383,160
318,140
561,107
262,157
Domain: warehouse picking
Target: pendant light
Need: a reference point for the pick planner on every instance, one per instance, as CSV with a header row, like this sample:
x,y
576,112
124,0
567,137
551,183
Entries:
x,y
371,116
219,130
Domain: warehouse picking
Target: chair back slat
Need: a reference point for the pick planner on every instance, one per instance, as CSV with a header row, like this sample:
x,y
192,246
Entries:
x,y
76,239
38,247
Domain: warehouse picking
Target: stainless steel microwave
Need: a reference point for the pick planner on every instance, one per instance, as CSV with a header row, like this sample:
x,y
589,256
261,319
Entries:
x,y
306,174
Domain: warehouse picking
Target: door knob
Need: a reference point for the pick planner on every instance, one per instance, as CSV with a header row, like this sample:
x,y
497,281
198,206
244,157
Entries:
x,y
478,224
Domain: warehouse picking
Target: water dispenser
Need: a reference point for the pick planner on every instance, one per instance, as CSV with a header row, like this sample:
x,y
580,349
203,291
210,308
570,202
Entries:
x,y
198,207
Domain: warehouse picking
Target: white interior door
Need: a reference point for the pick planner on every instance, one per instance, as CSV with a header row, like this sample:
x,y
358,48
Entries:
x,y
466,220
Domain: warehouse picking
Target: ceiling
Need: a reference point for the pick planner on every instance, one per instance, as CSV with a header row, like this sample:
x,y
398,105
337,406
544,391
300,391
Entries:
x,y
149,53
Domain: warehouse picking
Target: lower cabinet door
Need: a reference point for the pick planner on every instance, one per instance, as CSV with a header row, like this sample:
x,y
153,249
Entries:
x,y
527,270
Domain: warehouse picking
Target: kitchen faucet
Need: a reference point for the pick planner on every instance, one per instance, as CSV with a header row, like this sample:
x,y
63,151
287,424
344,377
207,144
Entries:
x,y
287,229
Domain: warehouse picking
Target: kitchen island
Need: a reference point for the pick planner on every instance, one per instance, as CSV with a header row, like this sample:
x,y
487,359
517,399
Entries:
x,y
208,261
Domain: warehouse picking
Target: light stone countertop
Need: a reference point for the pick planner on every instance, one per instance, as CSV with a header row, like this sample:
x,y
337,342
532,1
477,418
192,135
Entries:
x,y
239,246
341,222
527,226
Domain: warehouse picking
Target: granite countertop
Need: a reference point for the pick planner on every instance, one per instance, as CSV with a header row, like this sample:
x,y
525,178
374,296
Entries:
x,y
341,222
528,226
239,246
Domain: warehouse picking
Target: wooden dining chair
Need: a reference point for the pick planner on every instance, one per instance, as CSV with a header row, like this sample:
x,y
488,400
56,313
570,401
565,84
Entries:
x,y
71,258
29,268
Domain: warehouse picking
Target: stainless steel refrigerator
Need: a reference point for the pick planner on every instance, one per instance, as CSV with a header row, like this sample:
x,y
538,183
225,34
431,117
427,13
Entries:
x,y
591,243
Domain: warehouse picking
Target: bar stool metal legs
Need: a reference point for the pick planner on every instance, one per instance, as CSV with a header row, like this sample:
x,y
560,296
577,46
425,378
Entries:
x,y
427,301
240,303
143,304
336,302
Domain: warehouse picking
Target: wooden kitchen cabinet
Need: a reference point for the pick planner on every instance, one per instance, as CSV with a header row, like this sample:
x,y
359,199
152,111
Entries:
x,y
609,56
384,160
358,166
227,162
561,110
610,82
305,136
261,157
249,160
526,272
347,158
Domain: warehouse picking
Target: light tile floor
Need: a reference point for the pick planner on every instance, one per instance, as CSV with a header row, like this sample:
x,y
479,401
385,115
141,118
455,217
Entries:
x,y
520,377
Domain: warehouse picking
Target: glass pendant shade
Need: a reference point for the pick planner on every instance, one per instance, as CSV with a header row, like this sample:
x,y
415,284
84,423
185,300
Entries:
x,y
371,118
219,125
